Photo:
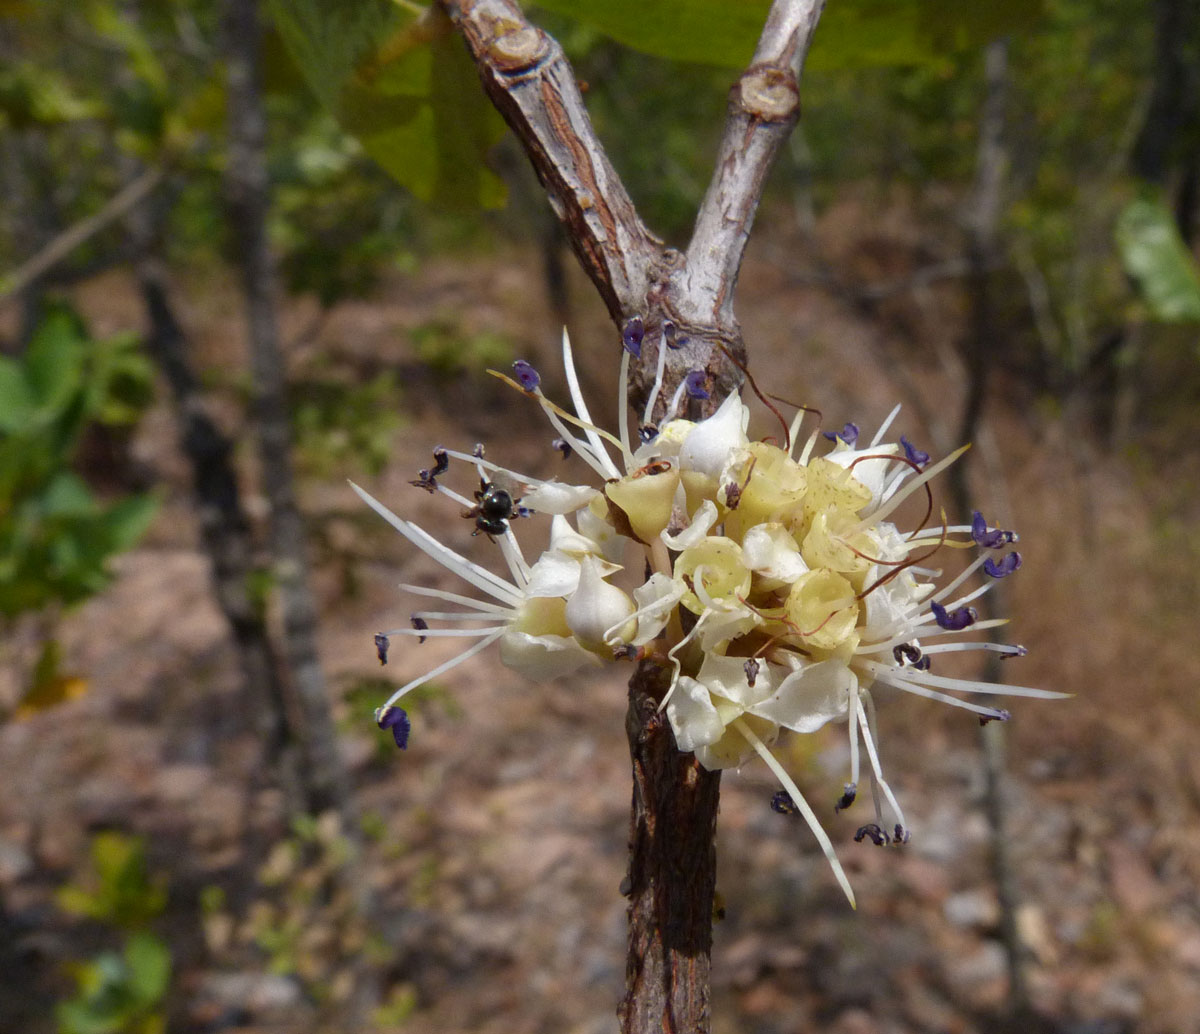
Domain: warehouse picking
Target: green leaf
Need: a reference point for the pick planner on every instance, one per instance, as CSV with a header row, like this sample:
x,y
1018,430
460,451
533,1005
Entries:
x,y
17,401
404,87
1158,261
851,34
149,964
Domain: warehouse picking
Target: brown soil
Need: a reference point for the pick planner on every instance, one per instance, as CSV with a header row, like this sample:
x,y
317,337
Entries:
x,y
497,840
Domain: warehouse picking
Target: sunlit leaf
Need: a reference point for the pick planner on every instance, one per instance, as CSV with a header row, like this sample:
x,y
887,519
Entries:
x,y
404,87
48,685
851,34
1158,261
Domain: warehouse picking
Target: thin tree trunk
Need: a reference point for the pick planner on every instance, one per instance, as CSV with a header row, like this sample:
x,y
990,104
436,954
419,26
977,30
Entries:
x,y
984,252
224,530
672,870
248,193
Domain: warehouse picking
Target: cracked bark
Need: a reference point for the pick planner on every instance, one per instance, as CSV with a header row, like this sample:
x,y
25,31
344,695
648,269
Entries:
x,y
672,873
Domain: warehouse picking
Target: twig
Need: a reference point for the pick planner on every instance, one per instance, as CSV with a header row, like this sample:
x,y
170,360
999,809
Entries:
x,y
764,105
127,198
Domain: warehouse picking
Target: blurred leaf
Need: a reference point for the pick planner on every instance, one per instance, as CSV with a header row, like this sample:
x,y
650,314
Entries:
x,y
405,88
1159,262
149,965
48,686
851,34
118,889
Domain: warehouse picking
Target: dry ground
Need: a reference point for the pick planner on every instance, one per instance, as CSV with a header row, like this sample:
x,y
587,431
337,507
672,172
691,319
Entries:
x,y
496,844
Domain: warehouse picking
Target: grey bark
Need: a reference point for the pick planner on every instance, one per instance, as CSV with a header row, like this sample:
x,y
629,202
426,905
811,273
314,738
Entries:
x,y
984,250
672,874
249,199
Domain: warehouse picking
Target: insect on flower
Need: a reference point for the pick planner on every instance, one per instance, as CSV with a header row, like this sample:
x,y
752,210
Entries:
x,y
778,591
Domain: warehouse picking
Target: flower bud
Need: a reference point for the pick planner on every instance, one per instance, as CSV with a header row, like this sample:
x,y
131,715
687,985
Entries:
x,y
599,614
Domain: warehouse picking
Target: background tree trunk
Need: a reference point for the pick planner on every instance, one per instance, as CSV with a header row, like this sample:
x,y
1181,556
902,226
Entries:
x,y
322,769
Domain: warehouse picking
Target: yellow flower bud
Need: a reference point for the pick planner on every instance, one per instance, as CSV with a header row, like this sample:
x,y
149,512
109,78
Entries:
x,y
822,605
722,572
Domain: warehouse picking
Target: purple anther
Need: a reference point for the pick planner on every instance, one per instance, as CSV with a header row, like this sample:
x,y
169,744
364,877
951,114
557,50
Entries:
x,y
906,653
995,716
563,446
900,835
848,434
381,647
647,433
523,511
478,450
751,668
919,457
781,802
849,794
993,538
922,664
527,376
872,832
694,384
1008,563
631,336
669,335
396,719
955,620
420,625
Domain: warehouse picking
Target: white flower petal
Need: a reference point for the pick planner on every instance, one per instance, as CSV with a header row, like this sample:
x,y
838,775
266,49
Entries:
x,y
542,657
693,716
810,698
558,497
694,533
708,445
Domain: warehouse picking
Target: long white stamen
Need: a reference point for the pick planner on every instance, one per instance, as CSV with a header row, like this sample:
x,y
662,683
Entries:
x,y
510,549
950,586
449,615
623,406
466,569
452,663
673,408
806,452
915,675
794,427
873,754
853,727
884,426
584,451
945,698
581,409
927,630
1004,648
886,509
446,633
461,499
793,790
658,378
454,597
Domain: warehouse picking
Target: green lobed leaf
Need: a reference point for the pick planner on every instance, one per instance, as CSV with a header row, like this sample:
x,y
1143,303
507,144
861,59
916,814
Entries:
x,y
404,87
1158,261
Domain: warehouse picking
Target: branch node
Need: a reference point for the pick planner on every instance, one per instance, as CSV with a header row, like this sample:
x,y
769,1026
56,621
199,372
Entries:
x,y
519,50
770,94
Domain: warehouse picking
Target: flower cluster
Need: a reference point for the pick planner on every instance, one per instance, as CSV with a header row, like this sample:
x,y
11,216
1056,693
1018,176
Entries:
x,y
776,587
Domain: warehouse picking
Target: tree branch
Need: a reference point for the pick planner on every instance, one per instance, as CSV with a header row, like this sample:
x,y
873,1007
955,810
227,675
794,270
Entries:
x,y
531,83
764,105
121,203
686,307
